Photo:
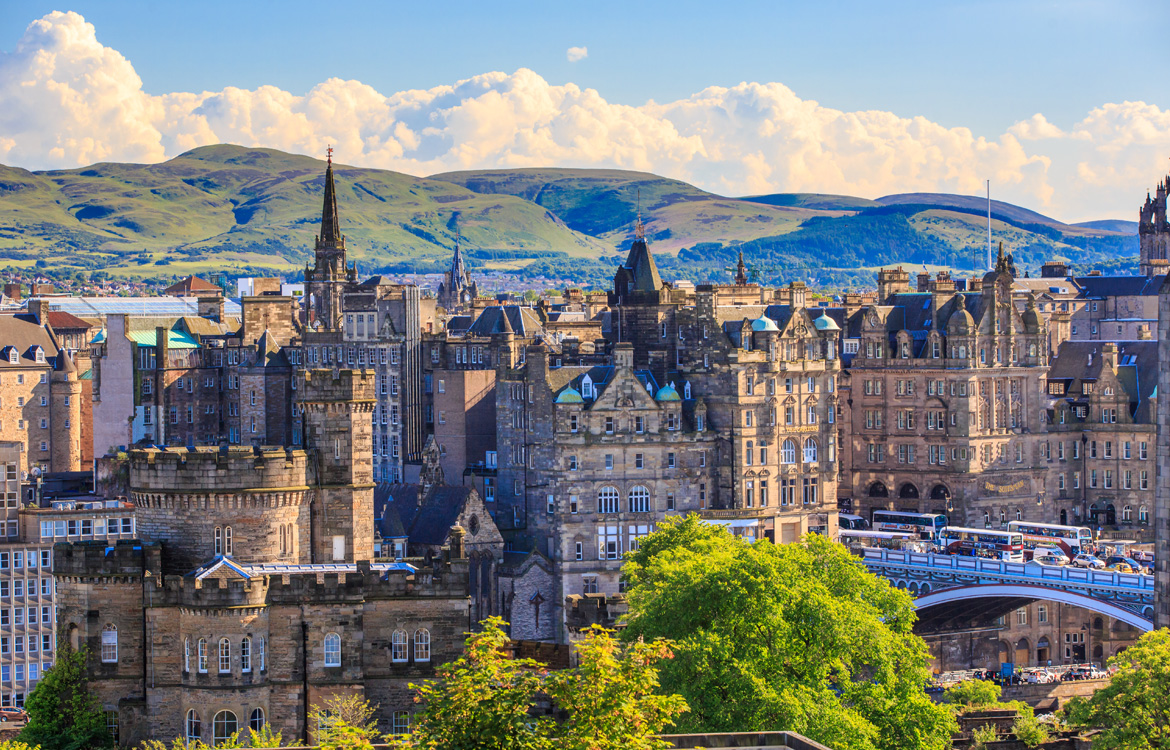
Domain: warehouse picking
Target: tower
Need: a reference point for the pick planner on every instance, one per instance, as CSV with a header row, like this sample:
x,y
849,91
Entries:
x,y
1154,232
325,281
457,290
65,415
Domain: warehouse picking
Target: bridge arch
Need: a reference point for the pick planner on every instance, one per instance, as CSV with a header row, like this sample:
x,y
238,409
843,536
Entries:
x,y
1040,593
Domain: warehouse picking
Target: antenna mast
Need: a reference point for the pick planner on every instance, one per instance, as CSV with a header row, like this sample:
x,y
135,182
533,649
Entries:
x,y
989,225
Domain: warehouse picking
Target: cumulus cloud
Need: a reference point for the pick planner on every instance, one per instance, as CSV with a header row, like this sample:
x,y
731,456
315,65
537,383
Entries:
x,y
70,101
577,53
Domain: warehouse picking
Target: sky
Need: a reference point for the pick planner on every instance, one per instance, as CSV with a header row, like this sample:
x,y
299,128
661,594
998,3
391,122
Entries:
x,y
1064,106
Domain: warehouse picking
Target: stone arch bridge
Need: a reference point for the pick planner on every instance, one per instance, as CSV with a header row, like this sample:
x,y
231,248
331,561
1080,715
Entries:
x,y
960,591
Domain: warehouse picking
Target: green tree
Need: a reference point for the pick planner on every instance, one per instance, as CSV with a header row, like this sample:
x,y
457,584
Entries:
x,y
62,715
610,696
1133,711
481,700
973,693
796,637
1028,729
344,722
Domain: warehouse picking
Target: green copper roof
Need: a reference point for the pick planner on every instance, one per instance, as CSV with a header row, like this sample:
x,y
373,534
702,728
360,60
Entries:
x,y
666,393
175,339
570,396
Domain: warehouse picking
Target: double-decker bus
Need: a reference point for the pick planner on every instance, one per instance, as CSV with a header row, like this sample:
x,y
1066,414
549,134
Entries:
x,y
925,525
848,521
881,540
1001,545
1070,539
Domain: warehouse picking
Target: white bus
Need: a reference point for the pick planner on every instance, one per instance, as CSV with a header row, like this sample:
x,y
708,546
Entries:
x,y
881,540
1070,539
848,521
1000,545
925,525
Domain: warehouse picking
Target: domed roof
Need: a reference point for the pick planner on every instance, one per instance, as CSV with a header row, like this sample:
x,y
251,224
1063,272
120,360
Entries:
x,y
764,323
569,396
1032,320
667,393
961,321
825,323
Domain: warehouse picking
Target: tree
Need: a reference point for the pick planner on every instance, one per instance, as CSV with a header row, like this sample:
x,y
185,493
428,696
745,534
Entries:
x,y
973,693
345,722
1133,711
481,700
62,715
796,637
610,697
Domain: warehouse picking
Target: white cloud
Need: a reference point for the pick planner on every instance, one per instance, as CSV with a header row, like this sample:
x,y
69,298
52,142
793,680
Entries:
x,y
70,101
577,53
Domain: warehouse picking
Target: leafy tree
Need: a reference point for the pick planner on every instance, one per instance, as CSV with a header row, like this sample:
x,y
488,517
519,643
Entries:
x,y
482,700
796,637
973,693
62,715
345,722
1029,730
1133,711
610,696
983,736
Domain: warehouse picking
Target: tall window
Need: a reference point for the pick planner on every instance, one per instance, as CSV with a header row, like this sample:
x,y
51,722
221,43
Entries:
x,y
186,654
788,452
256,720
246,654
332,650
260,653
422,645
225,655
227,540
202,649
218,540
607,500
194,727
810,451
109,643
224,726
639,500
398,646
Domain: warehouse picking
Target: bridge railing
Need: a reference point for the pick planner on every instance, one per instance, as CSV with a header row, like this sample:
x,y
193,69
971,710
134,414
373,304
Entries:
x,y
980,565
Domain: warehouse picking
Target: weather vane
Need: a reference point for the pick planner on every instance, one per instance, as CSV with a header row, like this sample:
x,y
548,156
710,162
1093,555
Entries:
x,y
329,153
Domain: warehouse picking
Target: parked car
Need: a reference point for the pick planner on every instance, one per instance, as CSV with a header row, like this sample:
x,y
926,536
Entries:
x,y
1119,567
1088,561
12,714
1050,557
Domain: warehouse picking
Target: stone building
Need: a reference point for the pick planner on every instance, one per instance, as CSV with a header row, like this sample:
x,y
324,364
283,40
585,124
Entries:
x,y
457,290
1154,233
261,597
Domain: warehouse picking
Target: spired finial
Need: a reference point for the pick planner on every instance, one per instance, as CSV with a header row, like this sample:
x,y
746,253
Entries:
x,y
639,227
329,154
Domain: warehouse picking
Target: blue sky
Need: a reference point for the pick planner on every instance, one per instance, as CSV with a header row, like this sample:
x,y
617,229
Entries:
x,y
984,66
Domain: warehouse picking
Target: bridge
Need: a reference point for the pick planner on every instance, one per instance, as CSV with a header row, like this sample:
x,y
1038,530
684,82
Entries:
x,y
958,588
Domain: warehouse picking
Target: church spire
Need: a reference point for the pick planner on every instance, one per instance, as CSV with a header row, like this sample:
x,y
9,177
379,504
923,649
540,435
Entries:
x,y
741,271
330,227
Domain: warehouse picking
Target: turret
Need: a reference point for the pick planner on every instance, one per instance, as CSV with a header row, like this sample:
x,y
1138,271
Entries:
x,y
65,415
892,281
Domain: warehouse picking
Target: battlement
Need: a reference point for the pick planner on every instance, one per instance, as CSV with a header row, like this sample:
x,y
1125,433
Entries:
x,y
337,385
100,560
209,470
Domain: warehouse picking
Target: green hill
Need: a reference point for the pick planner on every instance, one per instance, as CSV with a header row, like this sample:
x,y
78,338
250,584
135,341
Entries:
x,y
248,210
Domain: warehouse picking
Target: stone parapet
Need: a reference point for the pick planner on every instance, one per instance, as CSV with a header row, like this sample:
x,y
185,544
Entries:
x,y
337,385
98,559
211,470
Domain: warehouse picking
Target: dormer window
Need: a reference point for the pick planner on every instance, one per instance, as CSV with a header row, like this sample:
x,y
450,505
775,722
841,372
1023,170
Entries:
x,y
39,355
13,356
587,387
687,391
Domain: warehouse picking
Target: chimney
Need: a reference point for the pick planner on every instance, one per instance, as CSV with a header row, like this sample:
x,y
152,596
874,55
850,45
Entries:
x,y
623,356
892,281
212,308
1109,356
38,307
797,291
14,291
923,282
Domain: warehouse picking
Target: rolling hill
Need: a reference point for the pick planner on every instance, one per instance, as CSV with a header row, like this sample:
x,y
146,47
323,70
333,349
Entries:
x,y
251,210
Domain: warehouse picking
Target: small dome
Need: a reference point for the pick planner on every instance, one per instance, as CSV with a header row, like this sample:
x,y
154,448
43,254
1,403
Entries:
x,y
1032,320
764,323
825,323
961,320
569,396
666,393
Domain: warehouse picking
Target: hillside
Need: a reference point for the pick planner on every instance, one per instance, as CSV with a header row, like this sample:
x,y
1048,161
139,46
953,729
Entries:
x,y
246,210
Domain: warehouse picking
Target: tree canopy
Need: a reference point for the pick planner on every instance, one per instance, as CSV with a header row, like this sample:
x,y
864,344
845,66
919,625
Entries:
x,y
797,637
1133,712
62,715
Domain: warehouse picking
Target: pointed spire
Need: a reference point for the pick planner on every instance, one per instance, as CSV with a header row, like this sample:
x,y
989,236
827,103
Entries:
x,y
639,227
741,271
330,226
1001,263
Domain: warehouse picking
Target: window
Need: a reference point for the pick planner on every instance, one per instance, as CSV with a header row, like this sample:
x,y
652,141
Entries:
x,y
422,645
225,656
332,650
260,653
579,551
109,644
810,450
218,540
224,726
639,500
639,462
607,500
609,543
256,720
609,461
246,654
186,654
670,461
194,728
202,654
1022,616
788,452
227,540
397,647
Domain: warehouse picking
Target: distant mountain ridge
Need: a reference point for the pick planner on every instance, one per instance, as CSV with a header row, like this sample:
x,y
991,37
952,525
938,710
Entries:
x,y
252,210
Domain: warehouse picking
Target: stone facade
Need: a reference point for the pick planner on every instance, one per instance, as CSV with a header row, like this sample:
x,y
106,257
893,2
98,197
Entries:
x,y
1154,232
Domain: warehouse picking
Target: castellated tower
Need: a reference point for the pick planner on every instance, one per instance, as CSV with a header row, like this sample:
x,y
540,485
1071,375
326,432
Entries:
x,y
65,416
337,408
1154,232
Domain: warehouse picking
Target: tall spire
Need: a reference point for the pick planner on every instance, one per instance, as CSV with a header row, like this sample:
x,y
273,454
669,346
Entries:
x,y
741,271
457,261
639,227
330,227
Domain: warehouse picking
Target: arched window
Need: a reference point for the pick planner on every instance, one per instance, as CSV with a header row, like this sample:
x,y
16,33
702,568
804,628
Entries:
x,y
225,655
283,543
256,720
1019,515
607,500
1127,514
810,451
246,654
962,352
788,452
110,644
218,540
194,726
1002,518
227,540
747,454
877,489
333,650
398,646
687,391
202,653
224,726
422,645
260,653
186,654
1143,515
639,500
908,491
